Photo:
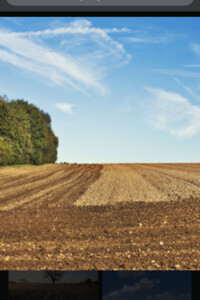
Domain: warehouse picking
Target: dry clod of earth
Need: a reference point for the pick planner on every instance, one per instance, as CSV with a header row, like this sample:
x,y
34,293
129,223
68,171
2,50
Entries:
x,y
111,216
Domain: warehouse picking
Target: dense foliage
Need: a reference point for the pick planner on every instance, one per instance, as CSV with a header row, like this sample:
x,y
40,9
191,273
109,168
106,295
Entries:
x,y
26,136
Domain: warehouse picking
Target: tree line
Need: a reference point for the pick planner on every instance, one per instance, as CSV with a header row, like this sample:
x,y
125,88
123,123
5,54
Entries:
x,y
26,136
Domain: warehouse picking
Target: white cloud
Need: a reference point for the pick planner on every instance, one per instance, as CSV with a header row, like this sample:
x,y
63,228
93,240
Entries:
x,y
79,26
58,68
192,93
65,107
127,290
173,113
82,68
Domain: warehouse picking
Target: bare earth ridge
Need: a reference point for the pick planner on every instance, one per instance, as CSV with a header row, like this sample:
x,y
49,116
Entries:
x,y
104,217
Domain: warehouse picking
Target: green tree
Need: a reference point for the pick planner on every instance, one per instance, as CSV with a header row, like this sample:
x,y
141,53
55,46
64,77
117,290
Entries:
x,y
25,134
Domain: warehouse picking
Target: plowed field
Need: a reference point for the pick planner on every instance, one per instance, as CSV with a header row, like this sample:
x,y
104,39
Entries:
x,y
112,216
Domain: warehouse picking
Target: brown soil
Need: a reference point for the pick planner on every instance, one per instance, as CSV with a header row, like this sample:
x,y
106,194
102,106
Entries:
x,y
102,217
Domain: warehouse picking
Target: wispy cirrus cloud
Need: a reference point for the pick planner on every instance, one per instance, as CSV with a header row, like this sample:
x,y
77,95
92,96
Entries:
x,y
82,69
65,107
79,26
171,112
59,68
189,90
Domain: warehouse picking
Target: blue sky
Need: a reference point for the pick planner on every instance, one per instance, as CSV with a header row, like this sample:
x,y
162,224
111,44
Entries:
x,y
117,89
150,285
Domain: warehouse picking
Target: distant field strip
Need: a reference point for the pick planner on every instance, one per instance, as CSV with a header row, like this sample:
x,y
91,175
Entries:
x,y
94,184
20,186
143,182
